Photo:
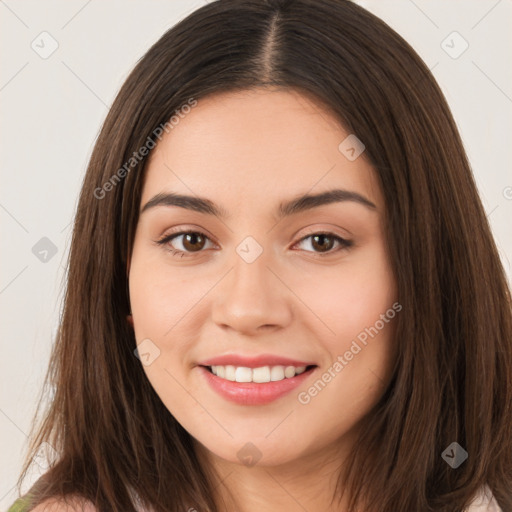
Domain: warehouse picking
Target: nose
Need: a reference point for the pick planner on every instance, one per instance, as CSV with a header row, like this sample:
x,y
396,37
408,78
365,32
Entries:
x,y
252,298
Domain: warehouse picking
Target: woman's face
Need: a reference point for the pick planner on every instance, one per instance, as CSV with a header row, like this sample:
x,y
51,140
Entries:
x,y
295,303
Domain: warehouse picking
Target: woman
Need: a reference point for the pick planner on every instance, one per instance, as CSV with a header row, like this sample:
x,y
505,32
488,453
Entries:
x,y
283,289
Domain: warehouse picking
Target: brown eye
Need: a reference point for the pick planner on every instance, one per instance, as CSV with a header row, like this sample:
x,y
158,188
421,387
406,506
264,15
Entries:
x,y
322,243
191,242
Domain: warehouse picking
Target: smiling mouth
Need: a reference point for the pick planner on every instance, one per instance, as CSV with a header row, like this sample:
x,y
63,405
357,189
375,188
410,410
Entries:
x,y
259,375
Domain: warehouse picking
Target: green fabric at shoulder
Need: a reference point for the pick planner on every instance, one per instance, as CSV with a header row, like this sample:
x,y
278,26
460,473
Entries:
x,y
20,505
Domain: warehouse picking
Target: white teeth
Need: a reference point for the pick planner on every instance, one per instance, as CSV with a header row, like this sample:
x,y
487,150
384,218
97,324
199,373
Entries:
x,y
289,372
230,373
277,373
243,374
261,374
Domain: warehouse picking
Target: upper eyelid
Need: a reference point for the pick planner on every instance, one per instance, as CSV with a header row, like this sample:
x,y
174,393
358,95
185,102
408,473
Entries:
x,y
170,236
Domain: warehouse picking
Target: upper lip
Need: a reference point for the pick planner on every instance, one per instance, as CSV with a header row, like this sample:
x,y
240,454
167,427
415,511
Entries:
x,y
254,361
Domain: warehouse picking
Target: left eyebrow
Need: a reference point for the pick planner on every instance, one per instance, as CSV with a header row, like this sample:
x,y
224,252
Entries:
x,y
285,209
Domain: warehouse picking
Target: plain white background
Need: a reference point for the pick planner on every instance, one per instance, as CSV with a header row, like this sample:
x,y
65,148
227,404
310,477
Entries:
x,y
52,109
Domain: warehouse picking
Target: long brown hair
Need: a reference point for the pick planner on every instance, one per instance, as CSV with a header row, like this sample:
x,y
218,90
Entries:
x,y
453,378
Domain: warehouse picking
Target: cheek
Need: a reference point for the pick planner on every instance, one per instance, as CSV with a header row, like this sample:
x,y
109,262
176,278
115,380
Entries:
x,y
356,329
160,296
166,308
160,300
351,299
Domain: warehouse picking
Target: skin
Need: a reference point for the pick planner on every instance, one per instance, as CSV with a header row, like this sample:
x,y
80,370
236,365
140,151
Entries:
x,y
248,151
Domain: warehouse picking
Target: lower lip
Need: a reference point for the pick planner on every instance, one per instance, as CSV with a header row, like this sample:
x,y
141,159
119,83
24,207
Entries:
x,y
254,393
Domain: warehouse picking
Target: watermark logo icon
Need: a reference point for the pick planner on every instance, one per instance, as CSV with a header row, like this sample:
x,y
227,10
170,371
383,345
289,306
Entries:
x,y
147,352
351,147
249,454
44,250
45,455
454,45
249,249
454,455
44,45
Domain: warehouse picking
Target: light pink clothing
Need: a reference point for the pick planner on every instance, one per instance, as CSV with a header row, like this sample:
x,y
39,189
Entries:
x,y
484,502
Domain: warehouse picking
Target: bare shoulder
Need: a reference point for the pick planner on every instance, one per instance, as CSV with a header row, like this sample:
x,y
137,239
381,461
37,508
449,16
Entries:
x,y
71,505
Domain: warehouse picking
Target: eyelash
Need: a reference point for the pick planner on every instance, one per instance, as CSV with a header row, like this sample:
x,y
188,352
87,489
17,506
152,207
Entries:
x,y
344,244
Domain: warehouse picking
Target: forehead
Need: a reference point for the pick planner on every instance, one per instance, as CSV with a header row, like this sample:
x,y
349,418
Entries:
x,y
245,147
